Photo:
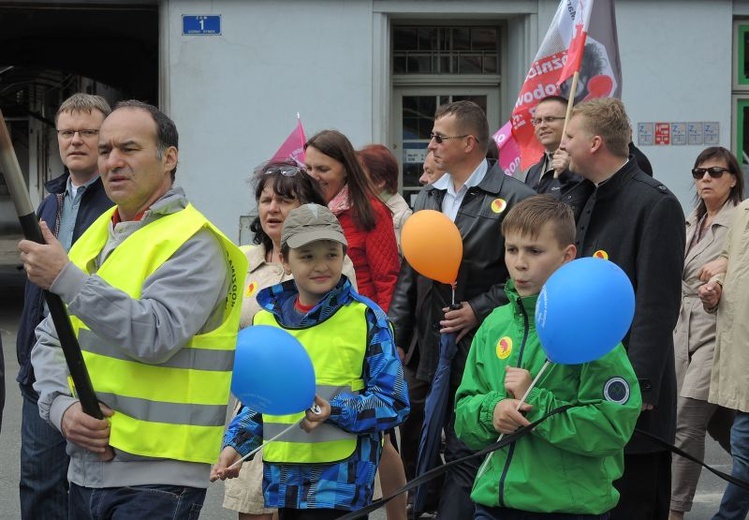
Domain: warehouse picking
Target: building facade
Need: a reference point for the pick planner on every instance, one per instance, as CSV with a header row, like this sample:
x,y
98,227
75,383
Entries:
x,y
233,75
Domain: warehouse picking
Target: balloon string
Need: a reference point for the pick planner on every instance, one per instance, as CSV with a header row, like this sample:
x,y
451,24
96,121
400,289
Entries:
x,y
250,454
454,286
522,400
315,409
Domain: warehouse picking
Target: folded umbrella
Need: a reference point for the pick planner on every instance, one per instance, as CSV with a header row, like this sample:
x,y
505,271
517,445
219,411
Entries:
x,y
435,412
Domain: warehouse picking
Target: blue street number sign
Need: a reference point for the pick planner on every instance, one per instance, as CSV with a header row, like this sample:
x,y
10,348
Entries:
x,y
201,25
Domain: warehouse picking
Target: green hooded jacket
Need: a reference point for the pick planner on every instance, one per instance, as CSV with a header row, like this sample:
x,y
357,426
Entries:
x,y
566,464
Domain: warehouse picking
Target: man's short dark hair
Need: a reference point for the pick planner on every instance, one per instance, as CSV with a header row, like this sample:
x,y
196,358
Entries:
x,y
471,120
554,97
166,130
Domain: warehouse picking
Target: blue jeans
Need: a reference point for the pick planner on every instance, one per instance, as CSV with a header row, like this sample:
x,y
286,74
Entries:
x,y
155,502
502,513
43,486
735,502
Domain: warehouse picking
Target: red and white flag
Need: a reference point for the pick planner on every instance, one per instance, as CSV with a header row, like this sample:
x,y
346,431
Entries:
x,y
576,33
293,147
582,37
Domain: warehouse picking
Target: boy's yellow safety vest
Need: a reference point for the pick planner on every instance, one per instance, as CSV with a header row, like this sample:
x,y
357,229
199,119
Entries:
x,y
337,347
176,409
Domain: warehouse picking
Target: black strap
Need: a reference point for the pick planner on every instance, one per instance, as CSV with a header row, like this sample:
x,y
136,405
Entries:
x,y
509,439
673,449
429,475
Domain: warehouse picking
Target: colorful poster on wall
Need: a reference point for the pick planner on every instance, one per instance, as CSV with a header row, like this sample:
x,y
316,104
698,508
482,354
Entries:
x,y
662,134
678,133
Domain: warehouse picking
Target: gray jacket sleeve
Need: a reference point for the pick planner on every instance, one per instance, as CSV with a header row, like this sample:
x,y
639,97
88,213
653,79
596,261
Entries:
x,y
183,297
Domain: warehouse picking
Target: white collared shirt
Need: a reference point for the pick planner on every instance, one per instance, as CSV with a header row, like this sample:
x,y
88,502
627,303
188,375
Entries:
x,y
452,201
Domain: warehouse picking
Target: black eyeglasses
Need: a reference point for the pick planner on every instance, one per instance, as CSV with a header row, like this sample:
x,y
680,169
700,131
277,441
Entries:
x,y
85,133
439,138
546,119
716,172
285,170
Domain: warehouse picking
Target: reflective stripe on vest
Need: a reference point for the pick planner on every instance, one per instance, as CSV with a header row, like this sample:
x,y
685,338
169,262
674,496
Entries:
x,y
176,409
337,347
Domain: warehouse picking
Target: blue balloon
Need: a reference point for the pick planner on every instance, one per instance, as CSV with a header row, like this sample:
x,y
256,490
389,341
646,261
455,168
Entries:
x,y
273,373
584,310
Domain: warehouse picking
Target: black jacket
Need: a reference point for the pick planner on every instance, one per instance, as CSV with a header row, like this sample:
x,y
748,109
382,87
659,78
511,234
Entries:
x,y
638,224
543,182
417,303
94,202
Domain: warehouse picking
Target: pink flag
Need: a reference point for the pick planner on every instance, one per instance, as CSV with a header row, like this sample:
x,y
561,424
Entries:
x,y
583,37
509,152
293,147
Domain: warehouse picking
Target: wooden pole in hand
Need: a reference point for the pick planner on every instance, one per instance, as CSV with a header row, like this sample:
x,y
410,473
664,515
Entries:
x,y
30,227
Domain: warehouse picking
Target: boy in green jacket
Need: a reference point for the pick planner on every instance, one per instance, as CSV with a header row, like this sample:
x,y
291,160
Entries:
x,y
567,464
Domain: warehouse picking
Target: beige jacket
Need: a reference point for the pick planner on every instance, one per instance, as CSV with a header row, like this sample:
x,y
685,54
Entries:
x,y
729,384
262,274
401,211
694,335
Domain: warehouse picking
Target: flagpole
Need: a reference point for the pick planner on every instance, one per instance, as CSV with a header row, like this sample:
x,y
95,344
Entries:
x,y
11,170
570,104
571,100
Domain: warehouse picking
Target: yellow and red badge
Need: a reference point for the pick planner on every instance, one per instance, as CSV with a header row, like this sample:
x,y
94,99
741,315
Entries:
x,y
251,288
504,347
499,205
601,254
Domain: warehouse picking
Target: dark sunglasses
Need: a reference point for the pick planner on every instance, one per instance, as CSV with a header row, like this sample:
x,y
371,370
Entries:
x,y
716,172
439,138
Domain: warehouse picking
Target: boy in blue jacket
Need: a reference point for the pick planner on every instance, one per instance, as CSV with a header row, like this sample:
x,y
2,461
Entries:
x,y
565,467
329,467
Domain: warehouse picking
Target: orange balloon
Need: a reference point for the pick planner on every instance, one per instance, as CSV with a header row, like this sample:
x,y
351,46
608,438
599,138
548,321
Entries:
x,y
432,245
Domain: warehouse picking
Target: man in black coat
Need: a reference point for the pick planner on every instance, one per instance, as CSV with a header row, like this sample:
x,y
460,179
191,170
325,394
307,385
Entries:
x,y
551,174
633,220
475,194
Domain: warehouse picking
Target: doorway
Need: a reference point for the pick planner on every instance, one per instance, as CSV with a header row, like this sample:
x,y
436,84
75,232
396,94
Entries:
x,y
414,109
49,51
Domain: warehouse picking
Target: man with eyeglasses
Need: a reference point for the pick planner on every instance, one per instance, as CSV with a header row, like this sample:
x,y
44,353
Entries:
x,y
634,221
474,193
551,174
76,198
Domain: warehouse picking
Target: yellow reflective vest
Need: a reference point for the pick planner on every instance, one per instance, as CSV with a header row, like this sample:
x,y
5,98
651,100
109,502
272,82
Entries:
x,y
337,347
176,409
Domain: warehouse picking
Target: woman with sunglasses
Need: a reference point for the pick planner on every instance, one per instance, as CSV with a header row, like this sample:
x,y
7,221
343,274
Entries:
x,y
720,185
279,188
366,221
